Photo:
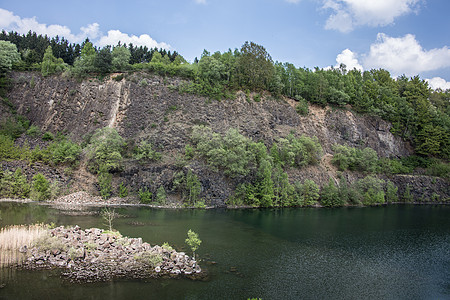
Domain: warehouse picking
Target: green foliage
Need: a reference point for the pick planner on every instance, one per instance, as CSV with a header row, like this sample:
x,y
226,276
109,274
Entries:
x,y
105,149
371,190
120,58
14,185
329,196
13,127
145,196
193,241
144,151
189,151
8,55
48,136
193,188
33,131
232,153
350,158
391,192
7,148
123,190
167,247
104,182
302,107
40,188
309,193
50,64
161,195
407,196
63,151
298,152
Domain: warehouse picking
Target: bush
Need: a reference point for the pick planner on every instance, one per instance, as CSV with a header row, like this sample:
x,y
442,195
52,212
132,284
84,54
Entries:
x,y
309,193
145,196
48,136
298,152
302,107
123,190
104,181
329,196
33,131
144,151
161,195
7,148
391,192
63,152
40,189
371,190
105,149
350,158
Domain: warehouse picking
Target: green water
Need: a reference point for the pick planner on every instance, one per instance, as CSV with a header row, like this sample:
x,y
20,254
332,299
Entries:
x,y
395,252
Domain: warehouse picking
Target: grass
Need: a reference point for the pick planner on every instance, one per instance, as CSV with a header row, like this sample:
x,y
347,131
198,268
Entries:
x,y
14,237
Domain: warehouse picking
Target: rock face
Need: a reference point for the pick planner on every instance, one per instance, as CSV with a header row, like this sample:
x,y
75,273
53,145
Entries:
x,y
95,255
155,112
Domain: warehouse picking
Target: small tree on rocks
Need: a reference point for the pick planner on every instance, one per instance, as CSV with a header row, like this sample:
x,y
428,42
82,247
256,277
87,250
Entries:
x,y
108,215
193,241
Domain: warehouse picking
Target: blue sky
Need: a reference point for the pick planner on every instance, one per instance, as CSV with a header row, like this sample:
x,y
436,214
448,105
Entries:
x,y
403,36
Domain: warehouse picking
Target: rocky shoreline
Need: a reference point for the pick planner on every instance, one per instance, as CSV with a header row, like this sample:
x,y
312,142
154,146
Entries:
x,y
93,254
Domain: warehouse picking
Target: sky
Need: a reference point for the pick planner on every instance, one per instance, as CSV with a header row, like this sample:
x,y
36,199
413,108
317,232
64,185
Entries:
x,y
408,37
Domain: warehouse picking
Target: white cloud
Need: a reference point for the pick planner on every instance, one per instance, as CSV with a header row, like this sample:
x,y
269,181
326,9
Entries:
x,y
114,36
438,83
348,14
404,55
349,59
11,22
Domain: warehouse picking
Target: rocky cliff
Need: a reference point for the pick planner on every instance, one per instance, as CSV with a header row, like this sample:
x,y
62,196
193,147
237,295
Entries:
x,y
142,106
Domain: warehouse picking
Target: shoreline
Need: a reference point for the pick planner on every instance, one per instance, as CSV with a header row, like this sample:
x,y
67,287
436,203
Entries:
x,y
74,206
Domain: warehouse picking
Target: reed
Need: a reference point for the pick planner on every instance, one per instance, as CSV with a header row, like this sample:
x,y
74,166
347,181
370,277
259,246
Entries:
x,y
14,237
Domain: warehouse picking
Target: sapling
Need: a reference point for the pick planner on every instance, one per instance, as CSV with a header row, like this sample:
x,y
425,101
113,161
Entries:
x,y
193,241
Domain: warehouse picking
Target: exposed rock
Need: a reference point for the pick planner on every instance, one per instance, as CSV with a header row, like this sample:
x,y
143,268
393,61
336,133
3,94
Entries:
x,y
103,256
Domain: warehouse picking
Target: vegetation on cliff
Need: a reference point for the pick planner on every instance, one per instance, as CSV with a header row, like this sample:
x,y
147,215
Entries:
x,y
259,171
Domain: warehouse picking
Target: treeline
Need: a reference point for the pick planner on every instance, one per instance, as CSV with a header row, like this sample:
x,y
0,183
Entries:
x,y
32,48
417,113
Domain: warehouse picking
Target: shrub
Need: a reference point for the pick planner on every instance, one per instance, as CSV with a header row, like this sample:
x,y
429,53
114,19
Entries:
x,y
145,196
40,189
144,151
7,148
329,195
299,152
63,151
302,107
346,157
371,190
123,190
309,192
161,195
48,136
33,131
105,149
391,192
104,181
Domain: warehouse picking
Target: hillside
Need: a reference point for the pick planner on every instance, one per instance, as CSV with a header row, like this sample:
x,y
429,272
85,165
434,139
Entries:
x,y
144,107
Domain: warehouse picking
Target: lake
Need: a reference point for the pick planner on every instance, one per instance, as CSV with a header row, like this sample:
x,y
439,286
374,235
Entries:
x,y
385,252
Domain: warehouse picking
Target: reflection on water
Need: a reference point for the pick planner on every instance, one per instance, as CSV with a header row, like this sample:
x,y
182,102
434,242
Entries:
x,y
11,258
394,252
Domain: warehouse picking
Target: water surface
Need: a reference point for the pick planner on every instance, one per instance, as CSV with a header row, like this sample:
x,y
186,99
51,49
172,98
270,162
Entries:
x,y
394,252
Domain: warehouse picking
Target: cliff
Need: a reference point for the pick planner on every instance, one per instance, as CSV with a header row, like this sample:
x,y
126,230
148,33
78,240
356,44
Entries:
x,y
148,107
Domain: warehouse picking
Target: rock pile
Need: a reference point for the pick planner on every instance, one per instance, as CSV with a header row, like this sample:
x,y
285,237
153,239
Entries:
x,y
97,255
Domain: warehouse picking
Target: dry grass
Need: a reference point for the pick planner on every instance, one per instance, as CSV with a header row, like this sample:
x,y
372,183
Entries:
x,y
14,237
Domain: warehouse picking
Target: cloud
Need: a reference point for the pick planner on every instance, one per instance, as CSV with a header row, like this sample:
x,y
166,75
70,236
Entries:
x,y
200,1
348,14
349,59
11,22
404,55
114,36
438,83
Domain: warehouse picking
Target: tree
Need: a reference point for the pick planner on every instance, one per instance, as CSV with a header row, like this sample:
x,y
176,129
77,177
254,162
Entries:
x,y
329,195
102,61
40,189
120,58
105,148
51,64
8,55
193,241
108,215
254,67
309,192
85,62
